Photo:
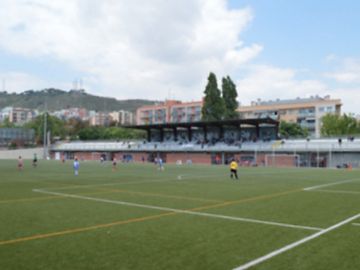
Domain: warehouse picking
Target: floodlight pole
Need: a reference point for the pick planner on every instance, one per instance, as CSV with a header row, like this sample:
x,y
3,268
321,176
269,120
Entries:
x,y
255,155
45,128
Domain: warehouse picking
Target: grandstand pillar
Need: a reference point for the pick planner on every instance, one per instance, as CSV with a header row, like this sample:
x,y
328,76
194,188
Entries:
x,y
189,134
277,131
161,134
149,135
205,133
257,131
221,132
238,137
175,134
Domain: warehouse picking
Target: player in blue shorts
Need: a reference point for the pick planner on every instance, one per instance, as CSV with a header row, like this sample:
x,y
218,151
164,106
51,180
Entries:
x,y
160,164
76,166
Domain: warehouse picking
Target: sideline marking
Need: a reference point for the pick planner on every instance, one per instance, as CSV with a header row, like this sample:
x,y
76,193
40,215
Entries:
x,y
356,224
295,244
180,211
331,184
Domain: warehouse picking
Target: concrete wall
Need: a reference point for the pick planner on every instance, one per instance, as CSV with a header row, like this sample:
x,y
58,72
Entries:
x,y
197,158
341,158
27,153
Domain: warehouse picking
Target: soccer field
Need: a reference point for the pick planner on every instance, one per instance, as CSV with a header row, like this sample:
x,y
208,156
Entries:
x,y
185,217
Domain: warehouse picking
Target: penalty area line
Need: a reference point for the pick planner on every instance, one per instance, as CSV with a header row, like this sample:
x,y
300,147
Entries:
x,y
337,191
295,244
331,184
180,211
104,185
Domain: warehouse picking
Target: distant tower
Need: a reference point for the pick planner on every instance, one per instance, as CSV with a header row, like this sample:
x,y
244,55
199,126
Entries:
x,y
76,84
81,84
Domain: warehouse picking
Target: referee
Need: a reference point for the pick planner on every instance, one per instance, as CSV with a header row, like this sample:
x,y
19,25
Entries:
x,y
233,169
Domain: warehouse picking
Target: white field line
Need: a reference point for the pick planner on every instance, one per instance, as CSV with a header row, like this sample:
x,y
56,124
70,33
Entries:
x,y
295,244
107,184
225,175
240,172
331,184
178,210
181,176
337,191
356,224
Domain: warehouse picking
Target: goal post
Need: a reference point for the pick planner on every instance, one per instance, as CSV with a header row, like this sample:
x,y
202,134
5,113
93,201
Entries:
x,y
282,160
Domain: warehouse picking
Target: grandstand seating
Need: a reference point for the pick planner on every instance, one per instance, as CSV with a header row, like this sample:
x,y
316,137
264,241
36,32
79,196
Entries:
x,y
279,146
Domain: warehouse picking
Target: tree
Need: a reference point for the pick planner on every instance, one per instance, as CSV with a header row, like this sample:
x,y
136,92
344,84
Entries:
x,y
229,94
7,124
288,130
74,125
54,125
214,107
337,125
110,133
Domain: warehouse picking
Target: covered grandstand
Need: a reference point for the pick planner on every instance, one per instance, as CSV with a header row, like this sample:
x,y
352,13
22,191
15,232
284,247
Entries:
x,y
252,142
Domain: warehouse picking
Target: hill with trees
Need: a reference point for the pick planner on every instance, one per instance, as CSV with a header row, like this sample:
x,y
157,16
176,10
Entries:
x,y
57,99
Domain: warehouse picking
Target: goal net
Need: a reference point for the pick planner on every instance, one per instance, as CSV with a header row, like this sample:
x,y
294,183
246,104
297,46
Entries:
x,y
282,160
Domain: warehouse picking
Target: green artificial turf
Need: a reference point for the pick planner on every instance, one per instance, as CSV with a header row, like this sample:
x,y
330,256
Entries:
x,y
41,230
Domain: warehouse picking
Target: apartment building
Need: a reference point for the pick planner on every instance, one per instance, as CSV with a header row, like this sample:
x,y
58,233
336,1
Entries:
x,y
170,111
18,115
122,117
66,114
100,119
307,112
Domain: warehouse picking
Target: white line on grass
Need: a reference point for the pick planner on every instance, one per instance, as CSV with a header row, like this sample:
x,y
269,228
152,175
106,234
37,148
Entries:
x,y
356,224
331,184
295,244
225,174
337,191
178,210
108,184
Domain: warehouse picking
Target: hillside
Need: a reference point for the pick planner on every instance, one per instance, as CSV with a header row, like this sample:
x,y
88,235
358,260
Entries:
x,y
57,99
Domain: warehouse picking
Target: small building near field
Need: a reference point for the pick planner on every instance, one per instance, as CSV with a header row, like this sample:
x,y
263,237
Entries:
x,y
18,136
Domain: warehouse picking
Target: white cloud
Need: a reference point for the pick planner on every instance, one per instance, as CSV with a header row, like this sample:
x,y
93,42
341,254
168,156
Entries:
x,y
18,82
270,83
132,49
346,70
348,97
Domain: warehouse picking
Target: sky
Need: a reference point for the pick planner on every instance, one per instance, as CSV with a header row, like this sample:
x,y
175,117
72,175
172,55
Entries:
x,y
161,49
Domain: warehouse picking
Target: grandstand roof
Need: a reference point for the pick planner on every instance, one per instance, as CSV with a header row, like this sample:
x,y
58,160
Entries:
x,y
221,123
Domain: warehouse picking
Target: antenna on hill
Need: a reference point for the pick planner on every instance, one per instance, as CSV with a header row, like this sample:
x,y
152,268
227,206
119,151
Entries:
x,y
76,84
81,84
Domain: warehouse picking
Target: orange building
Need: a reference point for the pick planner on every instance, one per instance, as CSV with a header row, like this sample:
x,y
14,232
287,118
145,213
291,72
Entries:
x,y
307,112
171,111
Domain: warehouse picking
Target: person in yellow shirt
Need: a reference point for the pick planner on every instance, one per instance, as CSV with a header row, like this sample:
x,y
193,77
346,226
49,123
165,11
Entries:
x,y
233,169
